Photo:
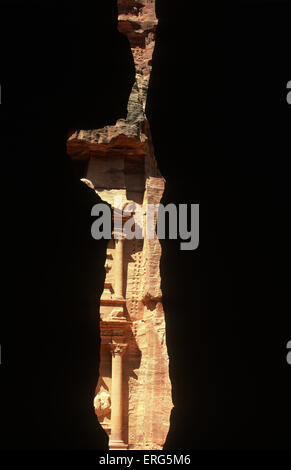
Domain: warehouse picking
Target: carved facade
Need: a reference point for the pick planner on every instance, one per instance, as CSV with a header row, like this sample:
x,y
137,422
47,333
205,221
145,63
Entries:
x,y
133,395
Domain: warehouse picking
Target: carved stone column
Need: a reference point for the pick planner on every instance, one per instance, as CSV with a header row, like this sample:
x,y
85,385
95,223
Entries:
x,y
116,441
118,287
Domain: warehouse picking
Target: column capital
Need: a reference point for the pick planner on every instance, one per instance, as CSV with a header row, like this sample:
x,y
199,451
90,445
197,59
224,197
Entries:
x,y
118,235
117,349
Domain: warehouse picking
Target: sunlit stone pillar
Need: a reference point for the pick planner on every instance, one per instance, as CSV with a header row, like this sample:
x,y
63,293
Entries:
x,y
116,441
118,278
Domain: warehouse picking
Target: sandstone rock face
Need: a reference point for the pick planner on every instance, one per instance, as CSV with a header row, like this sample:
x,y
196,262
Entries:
x,y
133,395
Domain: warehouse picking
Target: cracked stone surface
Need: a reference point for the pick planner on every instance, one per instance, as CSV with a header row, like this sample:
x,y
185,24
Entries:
x,y
120,161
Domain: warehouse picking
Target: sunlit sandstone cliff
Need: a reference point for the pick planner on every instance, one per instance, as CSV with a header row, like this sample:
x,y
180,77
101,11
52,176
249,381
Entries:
x,y
133,395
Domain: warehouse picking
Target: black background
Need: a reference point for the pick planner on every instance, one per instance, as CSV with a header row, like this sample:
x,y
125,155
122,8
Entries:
x,y
221,128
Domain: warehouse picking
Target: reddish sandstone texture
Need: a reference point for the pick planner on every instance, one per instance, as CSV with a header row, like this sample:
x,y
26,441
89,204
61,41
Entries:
x,y
119,161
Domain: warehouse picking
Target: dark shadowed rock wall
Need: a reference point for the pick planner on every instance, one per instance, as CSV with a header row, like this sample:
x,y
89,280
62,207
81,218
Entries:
x,y
221,131
64,65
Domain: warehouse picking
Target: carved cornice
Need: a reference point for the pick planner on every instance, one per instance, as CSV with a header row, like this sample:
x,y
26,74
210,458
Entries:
x,y
111,301
114,331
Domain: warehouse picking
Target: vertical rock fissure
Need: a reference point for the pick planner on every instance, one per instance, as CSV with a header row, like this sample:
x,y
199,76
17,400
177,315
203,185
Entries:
x,y
122,169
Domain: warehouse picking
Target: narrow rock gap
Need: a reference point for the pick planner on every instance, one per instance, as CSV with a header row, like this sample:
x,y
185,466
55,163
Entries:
x,y
118,162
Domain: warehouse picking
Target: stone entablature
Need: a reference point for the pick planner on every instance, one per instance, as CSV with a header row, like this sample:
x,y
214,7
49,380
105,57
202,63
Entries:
x,y
133,395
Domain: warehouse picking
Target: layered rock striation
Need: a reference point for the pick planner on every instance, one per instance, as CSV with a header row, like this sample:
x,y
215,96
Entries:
x,y
133,395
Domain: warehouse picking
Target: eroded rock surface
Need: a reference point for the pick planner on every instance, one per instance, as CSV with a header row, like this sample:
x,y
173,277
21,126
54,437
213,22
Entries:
x,y
119,163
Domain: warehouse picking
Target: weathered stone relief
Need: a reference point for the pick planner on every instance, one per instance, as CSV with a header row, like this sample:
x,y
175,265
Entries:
x,y
133,395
